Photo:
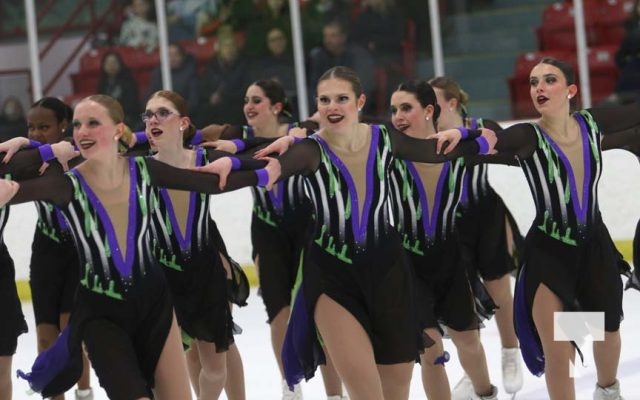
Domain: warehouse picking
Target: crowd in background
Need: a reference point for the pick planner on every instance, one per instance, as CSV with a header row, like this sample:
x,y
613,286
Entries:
x,y
253,41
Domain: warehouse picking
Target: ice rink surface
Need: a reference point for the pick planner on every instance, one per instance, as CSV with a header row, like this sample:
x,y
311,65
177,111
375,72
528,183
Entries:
x,y
263,380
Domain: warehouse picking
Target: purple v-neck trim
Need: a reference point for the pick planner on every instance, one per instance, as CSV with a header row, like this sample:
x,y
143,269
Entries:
x,y
184,239
464,196
276,195
580,207
124,265
62,222
429,220
359,222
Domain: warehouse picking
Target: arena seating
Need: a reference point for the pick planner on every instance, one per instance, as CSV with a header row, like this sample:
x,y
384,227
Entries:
x,y
557,31
604,21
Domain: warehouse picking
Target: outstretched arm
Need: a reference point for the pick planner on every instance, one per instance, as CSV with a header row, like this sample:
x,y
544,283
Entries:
x,y
27,164
498,157
164,175
517,141
53,187
620,127
428,150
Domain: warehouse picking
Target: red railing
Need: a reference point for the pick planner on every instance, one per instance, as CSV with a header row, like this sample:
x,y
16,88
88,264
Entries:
x,y
97,20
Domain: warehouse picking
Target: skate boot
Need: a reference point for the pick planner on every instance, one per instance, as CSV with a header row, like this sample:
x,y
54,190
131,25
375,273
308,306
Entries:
x,y
609,393
511,370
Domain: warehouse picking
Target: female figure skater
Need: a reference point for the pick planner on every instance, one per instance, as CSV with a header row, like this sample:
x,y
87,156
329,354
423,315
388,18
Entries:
x,y
356,286
123,311
54,265
13,322
189,246
279,224
569,262
488,233
425,201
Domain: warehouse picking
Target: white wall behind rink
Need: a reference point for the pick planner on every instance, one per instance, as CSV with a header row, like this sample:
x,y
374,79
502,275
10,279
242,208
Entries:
x,y
619,201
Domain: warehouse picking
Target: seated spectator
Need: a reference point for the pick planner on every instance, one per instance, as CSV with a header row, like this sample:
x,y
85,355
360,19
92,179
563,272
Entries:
x,y
222,85
185,17
414,10
316,13
627,87
117,81
267,14
278,65
234,13
140,29
184,76
379,28
12,120
337,50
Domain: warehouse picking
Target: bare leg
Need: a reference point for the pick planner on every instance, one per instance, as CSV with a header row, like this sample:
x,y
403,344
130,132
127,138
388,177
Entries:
x,y
557,354
193,364
396,380
472,359
350,349
171,377
330,377
278,331
6,386
213,373
234,382
234,386
434,376
607,357
500,290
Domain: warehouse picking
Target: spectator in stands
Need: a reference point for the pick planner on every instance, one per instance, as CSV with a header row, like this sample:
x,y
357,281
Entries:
x,y
222,85
267,14
140,29
337,50
379,28
12,119
414,10
184,76
627,87
117,81
316,13
236,13
185,17
278,64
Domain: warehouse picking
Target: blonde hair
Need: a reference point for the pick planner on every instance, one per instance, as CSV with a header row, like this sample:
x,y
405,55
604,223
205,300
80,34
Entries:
x,y
452,90
116,113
